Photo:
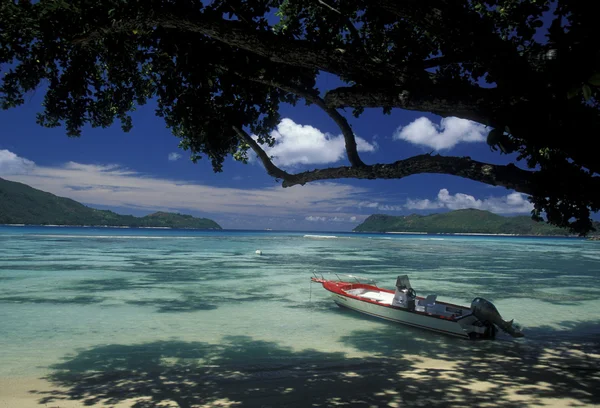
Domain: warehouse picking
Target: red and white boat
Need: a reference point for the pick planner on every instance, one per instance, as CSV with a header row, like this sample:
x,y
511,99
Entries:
x,y
403,306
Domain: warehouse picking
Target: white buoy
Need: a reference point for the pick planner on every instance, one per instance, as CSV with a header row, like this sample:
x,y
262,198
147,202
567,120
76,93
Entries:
x,y
258,252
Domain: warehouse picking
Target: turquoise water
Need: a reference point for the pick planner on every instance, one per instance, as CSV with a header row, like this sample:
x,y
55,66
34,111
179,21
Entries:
x,y
80,300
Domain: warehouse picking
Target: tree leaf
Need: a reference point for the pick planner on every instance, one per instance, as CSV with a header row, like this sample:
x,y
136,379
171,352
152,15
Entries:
x,y
587,92
573,92
494,137
595,79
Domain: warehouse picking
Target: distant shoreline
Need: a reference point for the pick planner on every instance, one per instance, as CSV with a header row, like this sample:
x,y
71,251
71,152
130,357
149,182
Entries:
x,y
467,222
466,233
484,234
311,233
101,226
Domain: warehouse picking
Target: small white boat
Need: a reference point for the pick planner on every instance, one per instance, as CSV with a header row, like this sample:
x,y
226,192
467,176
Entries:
x,y
404,306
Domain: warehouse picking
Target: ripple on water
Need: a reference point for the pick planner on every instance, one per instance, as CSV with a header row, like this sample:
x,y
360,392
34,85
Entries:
x,y
64,291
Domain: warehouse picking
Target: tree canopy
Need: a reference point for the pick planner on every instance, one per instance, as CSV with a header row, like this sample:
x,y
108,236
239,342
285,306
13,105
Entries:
x,y
219,71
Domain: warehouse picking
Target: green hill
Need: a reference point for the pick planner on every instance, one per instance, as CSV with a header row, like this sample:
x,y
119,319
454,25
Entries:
x,y
460,221
21,204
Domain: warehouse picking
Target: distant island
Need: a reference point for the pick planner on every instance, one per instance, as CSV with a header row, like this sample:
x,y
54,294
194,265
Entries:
x,y
22,204
469,221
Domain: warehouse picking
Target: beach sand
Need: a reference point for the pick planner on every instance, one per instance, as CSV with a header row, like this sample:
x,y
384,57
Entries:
x,y
523,376
31,392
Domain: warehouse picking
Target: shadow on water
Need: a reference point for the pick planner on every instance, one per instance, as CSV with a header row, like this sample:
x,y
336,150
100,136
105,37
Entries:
x,y
192,302
104,285
420,370
76,300
187,304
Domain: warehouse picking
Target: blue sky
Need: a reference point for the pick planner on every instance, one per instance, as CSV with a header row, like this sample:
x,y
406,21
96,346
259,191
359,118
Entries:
x,y
144,171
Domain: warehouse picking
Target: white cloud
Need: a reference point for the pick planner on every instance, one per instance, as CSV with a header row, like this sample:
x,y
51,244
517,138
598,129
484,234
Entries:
x,y
446,135
303,144
174,156
386,207
379,206
509,204
11,164
367,204
314,218
116,186
425,204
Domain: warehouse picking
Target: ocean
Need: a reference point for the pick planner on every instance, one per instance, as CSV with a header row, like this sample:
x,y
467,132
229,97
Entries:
x,y
184,318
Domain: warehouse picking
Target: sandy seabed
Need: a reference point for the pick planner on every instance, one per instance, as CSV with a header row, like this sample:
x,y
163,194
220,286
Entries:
x,y
93,321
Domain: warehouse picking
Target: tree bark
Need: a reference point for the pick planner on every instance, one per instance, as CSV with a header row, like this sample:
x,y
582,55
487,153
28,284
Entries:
x,y
275,48
468,102
508,176
271,168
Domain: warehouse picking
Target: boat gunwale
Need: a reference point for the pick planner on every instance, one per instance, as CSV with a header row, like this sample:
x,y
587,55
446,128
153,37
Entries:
x,y
339,284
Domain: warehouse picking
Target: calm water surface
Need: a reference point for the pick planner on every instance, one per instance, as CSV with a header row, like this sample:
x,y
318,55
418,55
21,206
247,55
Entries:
x,y
76,296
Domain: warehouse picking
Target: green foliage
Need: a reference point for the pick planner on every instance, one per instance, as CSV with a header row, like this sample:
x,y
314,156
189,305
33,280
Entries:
x,y
21,204
459,221
498,139
194,80
210,66
595,79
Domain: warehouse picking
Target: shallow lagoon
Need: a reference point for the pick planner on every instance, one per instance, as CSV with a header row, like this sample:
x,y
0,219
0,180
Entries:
x,y
80,306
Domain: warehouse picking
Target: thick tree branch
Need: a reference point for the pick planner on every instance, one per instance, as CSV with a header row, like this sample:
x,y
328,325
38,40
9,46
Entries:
x,y
508,176
275,48
305,54
529,120
471,103
271,168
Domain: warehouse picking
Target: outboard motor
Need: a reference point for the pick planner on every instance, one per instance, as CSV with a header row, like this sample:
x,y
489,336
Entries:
x,y
486,311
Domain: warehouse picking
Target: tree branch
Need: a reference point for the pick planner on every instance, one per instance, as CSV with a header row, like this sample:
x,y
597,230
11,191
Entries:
x,y
470,104
437,61
313,97
529,120
271,168
473,103
275,48
508,176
